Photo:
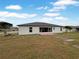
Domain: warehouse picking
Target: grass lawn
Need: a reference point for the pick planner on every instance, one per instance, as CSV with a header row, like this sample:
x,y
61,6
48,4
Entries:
x,y
39,47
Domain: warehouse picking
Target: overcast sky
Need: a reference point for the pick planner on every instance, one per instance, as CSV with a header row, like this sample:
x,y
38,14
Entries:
x,y
61,12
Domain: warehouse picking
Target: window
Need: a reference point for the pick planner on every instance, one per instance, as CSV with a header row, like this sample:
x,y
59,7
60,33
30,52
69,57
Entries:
x,y
13,30
61,29
30,29
53,28
50,29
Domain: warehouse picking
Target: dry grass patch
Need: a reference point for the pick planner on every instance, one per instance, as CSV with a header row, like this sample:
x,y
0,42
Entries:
x,y
35,47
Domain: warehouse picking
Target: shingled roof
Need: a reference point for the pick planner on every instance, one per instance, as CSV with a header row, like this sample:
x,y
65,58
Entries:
x,y
40,24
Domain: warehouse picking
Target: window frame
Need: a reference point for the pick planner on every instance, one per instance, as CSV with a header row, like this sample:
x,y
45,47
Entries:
x,y
30,29
61,29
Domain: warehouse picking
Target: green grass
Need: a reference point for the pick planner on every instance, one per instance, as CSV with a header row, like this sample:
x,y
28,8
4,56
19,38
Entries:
x,y
38,47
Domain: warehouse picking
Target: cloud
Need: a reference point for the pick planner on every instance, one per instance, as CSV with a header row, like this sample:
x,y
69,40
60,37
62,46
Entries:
x,y
54,18
16,15
65,2
61,5
42,7
57,8
14,7
2,19
61,18
2,13
20,15
46,19
51,14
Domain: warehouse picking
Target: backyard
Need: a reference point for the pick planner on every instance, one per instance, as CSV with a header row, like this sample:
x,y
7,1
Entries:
x,y
56,46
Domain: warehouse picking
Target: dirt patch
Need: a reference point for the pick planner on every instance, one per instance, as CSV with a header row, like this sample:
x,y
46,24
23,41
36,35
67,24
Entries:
x,y
76,46
69,40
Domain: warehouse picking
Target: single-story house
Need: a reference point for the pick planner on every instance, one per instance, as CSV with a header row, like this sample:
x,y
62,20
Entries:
x,y
39,28
13,29
75,28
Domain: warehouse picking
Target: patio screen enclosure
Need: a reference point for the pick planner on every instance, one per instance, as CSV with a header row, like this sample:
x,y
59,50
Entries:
x,y
45,29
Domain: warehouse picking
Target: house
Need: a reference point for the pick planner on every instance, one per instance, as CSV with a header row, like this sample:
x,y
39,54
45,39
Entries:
x,y
39,28
13,30
75,28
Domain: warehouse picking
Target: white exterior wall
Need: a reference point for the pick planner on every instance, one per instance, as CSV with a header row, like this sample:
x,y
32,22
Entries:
x,y
25,30
35,30
57,30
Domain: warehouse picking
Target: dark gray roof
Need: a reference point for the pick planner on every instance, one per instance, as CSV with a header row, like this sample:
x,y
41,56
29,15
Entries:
x,y
40,24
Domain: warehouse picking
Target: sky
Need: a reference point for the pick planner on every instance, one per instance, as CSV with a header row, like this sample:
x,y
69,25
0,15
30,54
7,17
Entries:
x,y
60,12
